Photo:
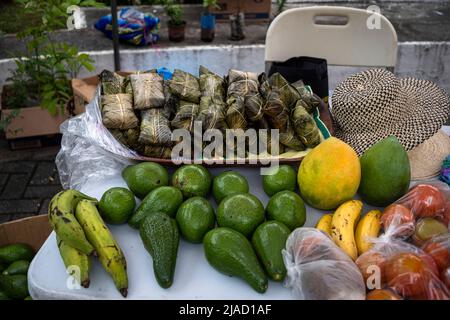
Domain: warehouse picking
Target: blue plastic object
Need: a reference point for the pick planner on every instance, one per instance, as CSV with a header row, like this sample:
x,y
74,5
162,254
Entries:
x,y
135,27
208,21
165,73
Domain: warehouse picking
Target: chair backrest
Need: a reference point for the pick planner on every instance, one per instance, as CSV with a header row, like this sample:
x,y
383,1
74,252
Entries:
x,y
296,32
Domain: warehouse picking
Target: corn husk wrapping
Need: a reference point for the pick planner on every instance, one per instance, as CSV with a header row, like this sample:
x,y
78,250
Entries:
x,y
148,90
305,126
155,129
117,111
185,86
186,115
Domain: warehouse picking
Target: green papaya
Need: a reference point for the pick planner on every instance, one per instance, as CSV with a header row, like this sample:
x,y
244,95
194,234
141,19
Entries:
x,y
229,252
161,238
17,267
163,199
385,172
14,252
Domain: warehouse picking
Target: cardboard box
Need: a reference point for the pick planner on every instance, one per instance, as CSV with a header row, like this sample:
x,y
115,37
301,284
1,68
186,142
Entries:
x,y
32,231
255,10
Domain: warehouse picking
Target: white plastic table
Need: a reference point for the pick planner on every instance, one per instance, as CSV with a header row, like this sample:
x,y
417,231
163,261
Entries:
x,y
194,277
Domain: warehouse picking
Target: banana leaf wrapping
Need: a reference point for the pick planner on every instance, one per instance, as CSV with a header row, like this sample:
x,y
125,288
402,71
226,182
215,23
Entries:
x,y
148,90
235,114
305,126
155,151
211,84
112,83
288,93
117,111
126,87
170,104
311,101
185,86
155,128
186,115
212,114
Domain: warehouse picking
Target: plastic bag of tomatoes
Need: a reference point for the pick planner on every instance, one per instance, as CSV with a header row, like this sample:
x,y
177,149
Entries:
x,y
395,269
438,248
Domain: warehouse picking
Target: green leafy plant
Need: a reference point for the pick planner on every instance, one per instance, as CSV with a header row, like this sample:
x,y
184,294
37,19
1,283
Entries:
x,y
174,12
280,6
43,73
208,4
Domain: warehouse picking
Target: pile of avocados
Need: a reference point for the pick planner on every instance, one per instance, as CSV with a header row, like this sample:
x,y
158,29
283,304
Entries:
x,y
14,262
242,239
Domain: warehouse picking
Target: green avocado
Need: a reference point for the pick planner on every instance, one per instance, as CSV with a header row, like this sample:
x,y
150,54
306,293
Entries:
x,y
231,253
242,212
227,183
279,178
161,238
163,199
269,240
145,177
195,217
17,267
288,208
14,252
193,180
385,172
15,286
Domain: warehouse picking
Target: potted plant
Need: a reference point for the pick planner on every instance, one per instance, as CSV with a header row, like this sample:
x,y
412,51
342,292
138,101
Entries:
x,y
36,97
237,24
176,24
208,21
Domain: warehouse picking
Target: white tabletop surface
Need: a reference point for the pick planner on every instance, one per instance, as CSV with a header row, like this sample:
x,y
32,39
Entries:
x,y
194,277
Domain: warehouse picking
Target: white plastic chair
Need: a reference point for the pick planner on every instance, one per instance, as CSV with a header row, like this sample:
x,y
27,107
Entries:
x,y
296,32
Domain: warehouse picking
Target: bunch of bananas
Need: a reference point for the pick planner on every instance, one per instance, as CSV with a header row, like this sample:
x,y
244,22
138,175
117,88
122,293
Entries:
x,y
350,233
81,233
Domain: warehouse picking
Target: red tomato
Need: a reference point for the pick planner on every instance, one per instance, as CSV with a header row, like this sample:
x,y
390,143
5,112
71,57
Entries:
x,y
445,217
371,258
382,294
430,264
426,201
439,253
399,215
407,274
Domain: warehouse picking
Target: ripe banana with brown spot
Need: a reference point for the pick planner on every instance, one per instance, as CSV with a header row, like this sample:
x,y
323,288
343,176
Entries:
x,y
343,226
324,223
109,253
62,219
368,228
75,258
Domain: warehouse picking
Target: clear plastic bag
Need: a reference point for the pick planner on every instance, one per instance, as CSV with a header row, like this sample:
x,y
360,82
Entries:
x,y
400,266
317,269
438,248
88,150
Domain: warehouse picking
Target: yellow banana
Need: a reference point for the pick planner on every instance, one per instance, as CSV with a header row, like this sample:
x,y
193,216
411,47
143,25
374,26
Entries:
x,y
62,219
75,258
324,223
343,226
367,228
109,253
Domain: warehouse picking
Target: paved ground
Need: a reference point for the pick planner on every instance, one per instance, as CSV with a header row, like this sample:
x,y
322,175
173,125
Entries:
x,y
28,179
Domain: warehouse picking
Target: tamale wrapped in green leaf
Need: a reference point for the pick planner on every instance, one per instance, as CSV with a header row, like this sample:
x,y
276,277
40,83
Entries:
x,y
148,91
170,104
117,111
304,125
311,101
212,114
185,86
287,92
185,117
290,140
119,135
155,151
275,109
132,140
254,107
154,128
112,83
126,86
264,85
242,83
235,114
211,85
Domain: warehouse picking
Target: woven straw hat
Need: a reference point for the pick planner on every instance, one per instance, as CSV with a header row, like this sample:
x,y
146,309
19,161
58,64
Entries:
x,y
426,159
373,104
